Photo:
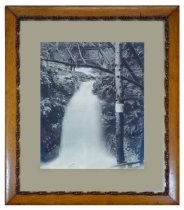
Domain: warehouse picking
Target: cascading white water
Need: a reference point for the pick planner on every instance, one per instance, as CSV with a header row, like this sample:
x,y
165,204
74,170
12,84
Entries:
x,y
81,140
82,143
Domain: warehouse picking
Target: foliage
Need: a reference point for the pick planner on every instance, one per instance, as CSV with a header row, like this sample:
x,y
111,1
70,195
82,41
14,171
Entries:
x,y
57,88
59,82
133,96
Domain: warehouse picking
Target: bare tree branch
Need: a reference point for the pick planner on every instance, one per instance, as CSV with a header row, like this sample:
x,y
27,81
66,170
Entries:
x,y
81,65
102,53
133,82
126,64
111,45
130,70
135,55
96,67
80,53
69,52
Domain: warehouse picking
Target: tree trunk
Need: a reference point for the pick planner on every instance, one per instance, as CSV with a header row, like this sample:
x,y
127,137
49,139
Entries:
x,y
119,106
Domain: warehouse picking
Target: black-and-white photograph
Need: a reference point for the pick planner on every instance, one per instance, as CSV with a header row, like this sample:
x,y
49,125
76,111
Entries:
x,y
92,105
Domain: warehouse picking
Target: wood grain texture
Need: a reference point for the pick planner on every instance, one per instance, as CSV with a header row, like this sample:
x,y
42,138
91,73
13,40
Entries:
x,y
53,199
10,103
83,11
174,105
13,14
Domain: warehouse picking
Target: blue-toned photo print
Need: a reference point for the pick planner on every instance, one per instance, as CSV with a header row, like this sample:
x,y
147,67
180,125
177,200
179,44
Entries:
x,y
92,105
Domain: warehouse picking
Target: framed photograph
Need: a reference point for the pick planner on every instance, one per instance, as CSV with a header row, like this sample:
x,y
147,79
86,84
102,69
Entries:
x,y
92,105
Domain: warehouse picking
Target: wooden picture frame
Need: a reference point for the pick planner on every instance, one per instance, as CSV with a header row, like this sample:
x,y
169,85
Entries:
x,y
170,14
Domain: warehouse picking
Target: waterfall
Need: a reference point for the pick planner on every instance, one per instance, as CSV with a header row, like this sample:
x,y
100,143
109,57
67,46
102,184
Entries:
x,y
82,144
